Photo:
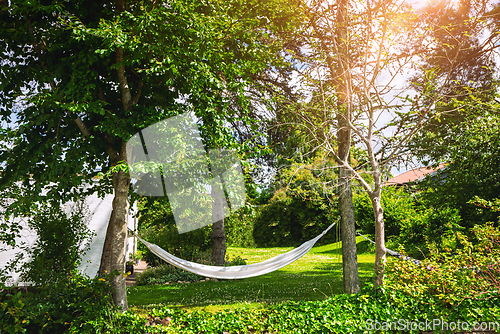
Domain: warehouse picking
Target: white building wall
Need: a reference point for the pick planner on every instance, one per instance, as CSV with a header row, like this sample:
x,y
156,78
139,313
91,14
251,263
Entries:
x,y
100,212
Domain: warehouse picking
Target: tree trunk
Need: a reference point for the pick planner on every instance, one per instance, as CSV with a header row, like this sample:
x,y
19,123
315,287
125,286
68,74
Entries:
x,y
218,243
218,205
113,255
119,244
116,236
347,222
348,232
379,236
346,208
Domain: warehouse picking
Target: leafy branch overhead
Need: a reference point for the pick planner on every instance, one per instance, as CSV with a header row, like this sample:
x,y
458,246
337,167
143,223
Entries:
x,y
79,79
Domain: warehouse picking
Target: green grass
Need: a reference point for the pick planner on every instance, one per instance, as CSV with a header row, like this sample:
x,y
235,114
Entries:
x,y
315,276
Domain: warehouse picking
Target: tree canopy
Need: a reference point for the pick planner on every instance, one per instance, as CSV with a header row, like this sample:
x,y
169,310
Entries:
x,y
79,78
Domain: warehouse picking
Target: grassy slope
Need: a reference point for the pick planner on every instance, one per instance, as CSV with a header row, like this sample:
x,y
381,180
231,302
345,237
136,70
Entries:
x,y
315,276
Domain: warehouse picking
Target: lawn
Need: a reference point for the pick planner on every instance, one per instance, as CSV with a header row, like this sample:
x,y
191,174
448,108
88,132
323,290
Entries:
x,y
315,276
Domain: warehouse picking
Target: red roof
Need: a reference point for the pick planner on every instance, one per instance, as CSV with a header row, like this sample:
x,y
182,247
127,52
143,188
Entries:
x,y
412,175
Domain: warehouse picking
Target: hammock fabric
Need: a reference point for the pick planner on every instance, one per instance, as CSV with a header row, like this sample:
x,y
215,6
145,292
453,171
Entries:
x,y
395,254
237,272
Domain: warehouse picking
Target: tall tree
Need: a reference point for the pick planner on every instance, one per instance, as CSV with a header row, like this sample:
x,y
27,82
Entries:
x,y
91,74
344,117
359,79
473,74
463,136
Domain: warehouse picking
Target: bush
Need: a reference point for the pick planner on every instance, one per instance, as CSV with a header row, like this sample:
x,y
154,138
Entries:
x,y
290,221
452,276
408,223
82,305
304,205
62,239
398,207
239,227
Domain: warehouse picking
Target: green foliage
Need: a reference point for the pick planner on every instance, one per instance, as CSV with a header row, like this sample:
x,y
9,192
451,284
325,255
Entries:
x,y
157,225
8,232
409,223
343,313
472,151
301,209
289,221
182,57
493,205
82,305
62,239
355,313
470,272
240,226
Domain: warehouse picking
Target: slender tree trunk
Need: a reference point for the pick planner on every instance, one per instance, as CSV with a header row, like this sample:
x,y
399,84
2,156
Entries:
x,y
380,251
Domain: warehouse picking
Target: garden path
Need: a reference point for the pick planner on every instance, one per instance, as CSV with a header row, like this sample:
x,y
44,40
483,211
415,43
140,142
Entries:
x,y
130,280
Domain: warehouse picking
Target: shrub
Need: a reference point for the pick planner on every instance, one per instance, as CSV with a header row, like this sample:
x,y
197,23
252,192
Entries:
x,y
304,205
239,227
452,276
290,220
354,313
398,206
82,305
410,224
157,225
62,239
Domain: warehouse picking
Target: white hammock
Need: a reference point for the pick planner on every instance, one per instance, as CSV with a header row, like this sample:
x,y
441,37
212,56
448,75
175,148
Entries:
x,y
236,272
